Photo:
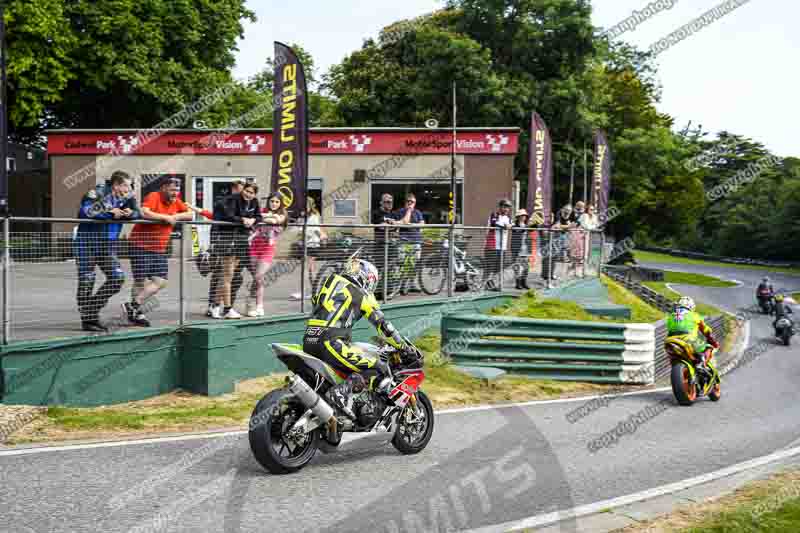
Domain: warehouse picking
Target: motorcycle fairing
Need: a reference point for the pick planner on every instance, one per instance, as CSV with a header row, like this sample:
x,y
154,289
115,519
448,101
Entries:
x,y
296,360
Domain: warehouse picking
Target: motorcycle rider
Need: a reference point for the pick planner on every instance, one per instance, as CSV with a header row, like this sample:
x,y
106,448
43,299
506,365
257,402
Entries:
x,y
765,291
780,310
689,325
341,301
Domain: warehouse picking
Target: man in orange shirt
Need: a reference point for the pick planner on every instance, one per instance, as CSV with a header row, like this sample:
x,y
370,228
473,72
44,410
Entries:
x,y
149,246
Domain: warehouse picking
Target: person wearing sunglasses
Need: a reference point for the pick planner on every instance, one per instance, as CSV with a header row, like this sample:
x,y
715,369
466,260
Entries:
x,y
411,216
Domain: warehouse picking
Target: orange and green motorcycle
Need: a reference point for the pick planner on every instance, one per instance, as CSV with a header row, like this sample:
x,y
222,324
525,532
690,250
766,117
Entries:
x,y
689,383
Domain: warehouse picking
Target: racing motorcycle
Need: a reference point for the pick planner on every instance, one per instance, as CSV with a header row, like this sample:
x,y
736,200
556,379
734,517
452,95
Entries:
x,y
688,382
784,329
765,302
289,424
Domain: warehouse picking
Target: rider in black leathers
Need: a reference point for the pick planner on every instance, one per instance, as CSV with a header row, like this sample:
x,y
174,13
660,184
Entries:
x,y
765,291
341,301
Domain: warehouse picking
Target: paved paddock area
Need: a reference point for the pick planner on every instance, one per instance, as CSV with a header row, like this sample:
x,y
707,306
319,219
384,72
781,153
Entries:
x,y
42,298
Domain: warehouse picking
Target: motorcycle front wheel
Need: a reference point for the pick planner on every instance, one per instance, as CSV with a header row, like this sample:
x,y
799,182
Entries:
x,y
414,429
272,446
787,337
682,388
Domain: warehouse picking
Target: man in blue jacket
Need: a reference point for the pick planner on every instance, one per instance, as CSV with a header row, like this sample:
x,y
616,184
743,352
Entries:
x,y
96,246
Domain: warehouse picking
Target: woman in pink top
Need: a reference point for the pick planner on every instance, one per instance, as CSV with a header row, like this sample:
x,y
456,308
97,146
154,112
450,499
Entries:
x,y
263,242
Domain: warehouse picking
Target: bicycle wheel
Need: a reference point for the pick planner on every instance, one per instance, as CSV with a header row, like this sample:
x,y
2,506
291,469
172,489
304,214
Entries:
x,y
433,276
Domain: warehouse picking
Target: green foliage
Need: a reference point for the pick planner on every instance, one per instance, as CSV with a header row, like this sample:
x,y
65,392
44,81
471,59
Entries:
x,y
126,63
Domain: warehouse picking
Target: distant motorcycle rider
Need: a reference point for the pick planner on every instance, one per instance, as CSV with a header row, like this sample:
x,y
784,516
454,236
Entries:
x,y
781,309
689,325
765,291
341,301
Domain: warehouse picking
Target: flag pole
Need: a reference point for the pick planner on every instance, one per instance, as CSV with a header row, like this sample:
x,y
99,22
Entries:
x,y
571,180
585,185
453,163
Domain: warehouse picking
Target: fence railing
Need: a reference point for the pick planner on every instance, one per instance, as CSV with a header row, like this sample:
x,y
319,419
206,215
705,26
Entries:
x,y
654,298
69,273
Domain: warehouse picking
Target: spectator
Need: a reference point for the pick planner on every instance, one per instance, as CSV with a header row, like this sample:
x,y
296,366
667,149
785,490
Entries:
x,y
546,242
263,241
577,244
521,248
497,242
96,246
149,242
411,216
589,220
217,259
232,245
564,222
315,235
381,217
589,223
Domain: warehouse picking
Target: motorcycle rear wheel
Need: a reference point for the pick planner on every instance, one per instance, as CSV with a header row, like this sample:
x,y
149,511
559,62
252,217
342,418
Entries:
x,y
684,391
787,337
273,415
422,436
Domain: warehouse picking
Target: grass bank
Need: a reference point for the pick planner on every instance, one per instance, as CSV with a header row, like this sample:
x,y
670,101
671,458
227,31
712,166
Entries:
x,y
644,257
702,308
688,278
180,412
766,506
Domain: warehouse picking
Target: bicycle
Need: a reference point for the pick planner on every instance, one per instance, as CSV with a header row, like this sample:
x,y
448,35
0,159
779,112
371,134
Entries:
x,y
402,269
433,274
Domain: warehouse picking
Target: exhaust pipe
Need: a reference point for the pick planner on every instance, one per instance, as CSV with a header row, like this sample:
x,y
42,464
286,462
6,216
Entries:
x,y
309,398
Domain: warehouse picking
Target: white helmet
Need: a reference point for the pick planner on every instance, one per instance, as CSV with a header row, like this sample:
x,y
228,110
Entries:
x,y
362,272
686,303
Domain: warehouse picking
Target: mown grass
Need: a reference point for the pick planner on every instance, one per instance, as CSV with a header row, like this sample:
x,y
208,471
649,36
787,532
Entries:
x,y
641,311
702,308
702,280
765,506
644,257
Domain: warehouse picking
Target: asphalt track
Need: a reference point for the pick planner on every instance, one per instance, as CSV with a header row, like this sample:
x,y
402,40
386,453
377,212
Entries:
x,y
483,467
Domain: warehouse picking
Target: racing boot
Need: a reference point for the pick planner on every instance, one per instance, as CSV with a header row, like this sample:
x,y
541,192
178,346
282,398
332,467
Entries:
x,y
341,395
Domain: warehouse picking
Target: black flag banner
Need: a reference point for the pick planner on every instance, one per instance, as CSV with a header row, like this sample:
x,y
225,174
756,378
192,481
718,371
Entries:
x,y
290,131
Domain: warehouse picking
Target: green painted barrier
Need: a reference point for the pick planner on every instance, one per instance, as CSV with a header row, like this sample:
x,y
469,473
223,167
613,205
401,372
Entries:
x,y
205,358
551,349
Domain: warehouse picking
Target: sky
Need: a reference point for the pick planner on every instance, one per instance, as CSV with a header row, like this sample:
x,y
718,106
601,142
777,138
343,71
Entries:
x,y
740,73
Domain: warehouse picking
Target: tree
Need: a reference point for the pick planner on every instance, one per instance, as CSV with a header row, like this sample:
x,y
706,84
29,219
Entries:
x,y
127,63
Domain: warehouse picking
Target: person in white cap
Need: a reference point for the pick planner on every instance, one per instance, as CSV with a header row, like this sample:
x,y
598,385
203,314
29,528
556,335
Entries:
x,y
521,248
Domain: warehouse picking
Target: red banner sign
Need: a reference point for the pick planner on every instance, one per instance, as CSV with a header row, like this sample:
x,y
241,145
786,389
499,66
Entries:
x,y
216,143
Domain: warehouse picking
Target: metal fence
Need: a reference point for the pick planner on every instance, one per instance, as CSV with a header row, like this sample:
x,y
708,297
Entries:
x,y
56,277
